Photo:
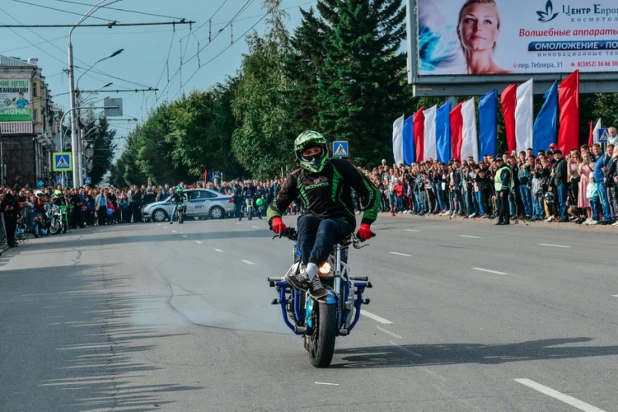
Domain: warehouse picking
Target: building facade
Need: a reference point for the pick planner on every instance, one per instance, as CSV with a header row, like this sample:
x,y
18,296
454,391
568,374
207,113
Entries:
x,y
29,123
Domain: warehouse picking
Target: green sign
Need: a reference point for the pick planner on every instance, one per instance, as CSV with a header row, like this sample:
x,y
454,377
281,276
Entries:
x,y
15,101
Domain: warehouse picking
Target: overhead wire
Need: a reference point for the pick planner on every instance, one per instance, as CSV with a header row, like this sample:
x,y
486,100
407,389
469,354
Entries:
x,y
211,17
176,73
62,51
59,10
228,47
259,15
122,10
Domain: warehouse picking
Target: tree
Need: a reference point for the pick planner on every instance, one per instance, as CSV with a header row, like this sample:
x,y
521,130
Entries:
x,y
100,138
303,66
202,126
363,85
263,139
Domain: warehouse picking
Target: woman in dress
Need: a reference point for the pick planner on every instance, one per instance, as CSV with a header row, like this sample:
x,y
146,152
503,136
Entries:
x,y
586,169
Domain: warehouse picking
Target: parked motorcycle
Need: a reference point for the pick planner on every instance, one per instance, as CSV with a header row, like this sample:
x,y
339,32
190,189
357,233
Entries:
x,y
58,218
320,321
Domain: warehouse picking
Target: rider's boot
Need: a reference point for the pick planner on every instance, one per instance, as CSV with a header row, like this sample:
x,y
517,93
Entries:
x,y
298,278
316,289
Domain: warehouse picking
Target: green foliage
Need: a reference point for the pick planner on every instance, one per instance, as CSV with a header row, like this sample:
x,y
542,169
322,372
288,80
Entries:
x,y
100,138
262,141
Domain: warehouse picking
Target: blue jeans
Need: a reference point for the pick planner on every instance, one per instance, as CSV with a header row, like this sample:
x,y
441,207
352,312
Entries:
x,y
526,199
399,204
562,198
537,206
38,229
184,208
440,196
607,212
420,202
316,237
595,206
479,202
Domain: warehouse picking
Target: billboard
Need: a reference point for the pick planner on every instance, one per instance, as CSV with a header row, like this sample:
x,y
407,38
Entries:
x,y
494,41
15,101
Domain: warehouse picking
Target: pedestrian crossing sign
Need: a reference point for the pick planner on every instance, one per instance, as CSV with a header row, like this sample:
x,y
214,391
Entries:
x,y
340,149
63,162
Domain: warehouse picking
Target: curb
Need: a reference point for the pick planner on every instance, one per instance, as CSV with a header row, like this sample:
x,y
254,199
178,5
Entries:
x,y
569,225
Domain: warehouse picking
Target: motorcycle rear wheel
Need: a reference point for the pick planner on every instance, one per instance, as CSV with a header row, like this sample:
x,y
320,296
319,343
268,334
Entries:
x,y
322,346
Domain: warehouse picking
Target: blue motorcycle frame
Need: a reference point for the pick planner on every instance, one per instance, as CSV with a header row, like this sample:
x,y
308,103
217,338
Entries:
x,y
345,292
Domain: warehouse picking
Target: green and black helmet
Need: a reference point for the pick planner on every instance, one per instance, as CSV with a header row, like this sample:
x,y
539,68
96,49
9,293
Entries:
x,y
307,140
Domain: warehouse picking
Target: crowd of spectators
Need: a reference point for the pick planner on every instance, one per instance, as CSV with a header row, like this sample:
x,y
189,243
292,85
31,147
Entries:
x,y
579,186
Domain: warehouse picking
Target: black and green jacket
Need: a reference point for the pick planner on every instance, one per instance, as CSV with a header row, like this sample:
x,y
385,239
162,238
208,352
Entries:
x,y
327,194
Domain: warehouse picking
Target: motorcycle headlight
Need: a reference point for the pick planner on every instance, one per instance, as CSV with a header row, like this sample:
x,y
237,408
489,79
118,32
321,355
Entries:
x,y
324,269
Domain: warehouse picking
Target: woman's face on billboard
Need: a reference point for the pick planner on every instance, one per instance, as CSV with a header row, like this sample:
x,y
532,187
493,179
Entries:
x,y
478,28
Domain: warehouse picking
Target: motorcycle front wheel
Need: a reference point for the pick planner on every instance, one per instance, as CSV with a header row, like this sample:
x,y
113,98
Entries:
x,y
322,346
54,227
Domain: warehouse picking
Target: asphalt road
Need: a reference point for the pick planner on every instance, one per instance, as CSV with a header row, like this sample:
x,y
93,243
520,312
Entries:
x,y
463,317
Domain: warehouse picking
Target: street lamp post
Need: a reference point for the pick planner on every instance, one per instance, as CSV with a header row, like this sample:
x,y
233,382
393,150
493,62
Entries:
x,y
74,134
79,159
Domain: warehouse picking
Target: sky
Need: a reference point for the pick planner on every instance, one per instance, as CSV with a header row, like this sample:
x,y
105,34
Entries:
x,y
152,54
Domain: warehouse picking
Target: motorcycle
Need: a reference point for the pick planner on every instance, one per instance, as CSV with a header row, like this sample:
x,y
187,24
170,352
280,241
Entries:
x,y
320,321
57,220
180,212
249,207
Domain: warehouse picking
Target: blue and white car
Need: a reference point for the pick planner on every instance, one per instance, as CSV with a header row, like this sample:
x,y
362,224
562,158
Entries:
x,y
200,203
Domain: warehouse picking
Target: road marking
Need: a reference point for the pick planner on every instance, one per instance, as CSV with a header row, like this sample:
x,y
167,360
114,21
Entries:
x,y
173,231
583,406
197,241
399,254
158,224
490,271
238,223
218,250
248,262
548,245
470,237
326,383
388,332
376,317
185,236
615,296
412,230
255,227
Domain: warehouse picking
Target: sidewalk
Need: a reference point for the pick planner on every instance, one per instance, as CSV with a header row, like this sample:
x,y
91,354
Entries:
x,y
567,225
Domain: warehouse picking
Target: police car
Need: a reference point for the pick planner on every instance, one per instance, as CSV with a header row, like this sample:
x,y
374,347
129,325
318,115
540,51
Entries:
x,y
200,203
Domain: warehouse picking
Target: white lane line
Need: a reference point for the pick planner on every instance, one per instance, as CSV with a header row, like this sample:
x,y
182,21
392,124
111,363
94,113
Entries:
x,y
238,223
248,262
185,236
198,242
158,224
173,231
388,332
615,296
470,237
255,227
549,245
495,272
326,383
399,254
376,317
583,406
218,250
412,230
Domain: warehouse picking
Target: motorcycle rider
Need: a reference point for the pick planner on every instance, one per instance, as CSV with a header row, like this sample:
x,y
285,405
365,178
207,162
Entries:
x,y
178,200
324,185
